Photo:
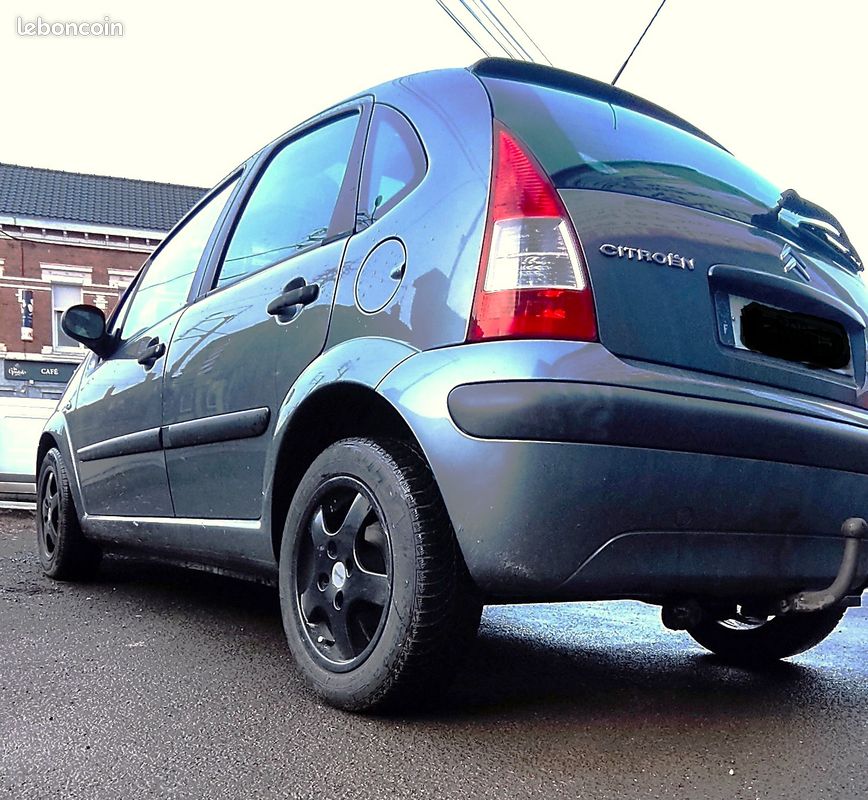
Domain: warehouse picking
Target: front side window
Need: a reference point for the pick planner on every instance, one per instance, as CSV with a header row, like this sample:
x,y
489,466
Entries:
x,y
291,206
394,164
62,297
166,283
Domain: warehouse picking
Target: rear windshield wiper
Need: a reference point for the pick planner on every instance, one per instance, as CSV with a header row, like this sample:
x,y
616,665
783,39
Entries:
x,y
818,226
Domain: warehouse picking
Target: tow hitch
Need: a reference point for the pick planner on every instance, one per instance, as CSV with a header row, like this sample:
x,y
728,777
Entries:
x,y
687,613
854,531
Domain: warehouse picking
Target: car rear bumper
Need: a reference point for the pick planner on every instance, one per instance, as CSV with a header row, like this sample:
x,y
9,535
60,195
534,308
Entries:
x,y
594,413
566,480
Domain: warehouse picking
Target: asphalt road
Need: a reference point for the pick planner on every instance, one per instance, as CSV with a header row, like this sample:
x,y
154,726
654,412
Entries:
x,y
157,682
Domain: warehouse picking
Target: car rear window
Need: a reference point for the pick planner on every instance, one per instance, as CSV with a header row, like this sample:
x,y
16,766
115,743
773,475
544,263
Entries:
x,y
587,143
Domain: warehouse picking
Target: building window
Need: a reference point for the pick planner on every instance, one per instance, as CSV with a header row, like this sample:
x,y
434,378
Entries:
x,y
63,295
120,279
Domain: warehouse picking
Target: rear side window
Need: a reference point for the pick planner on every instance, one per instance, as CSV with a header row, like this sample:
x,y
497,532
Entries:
x,y
291,206
584,143
395,163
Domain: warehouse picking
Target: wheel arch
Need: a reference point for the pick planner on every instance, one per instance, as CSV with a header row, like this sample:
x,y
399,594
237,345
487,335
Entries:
x,y
55,434
335,397
354,409
47,440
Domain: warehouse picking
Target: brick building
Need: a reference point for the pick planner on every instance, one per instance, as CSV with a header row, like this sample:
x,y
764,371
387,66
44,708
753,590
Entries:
x,y
68,238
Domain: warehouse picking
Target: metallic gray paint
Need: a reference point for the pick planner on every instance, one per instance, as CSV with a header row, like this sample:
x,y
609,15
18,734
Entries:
x,y
534,519
667,315
362,362
440,223
229,355
528,514
380,275
116,397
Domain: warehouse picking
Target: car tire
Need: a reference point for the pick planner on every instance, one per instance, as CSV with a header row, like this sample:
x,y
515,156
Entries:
x,y
377,604
742,640
64,552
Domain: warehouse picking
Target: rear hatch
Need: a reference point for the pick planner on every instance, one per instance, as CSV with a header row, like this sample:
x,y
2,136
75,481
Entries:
x,y
690,264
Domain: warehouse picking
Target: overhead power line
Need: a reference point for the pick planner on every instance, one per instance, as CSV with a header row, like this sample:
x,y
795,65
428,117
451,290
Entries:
x,y
461,25
638,42
499,31
527,35
516,46
484,24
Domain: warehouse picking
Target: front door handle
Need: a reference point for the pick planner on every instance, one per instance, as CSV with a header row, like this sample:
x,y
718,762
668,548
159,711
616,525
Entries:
x,y
296,293
155,350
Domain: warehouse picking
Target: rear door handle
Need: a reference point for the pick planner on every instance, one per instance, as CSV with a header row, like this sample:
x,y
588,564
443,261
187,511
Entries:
x,y
155,350
296,293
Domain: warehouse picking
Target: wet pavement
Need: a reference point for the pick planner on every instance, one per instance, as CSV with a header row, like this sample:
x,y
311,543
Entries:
x,y
159,682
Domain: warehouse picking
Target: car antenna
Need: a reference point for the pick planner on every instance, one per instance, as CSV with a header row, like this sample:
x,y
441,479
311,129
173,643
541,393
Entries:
x,y
638,42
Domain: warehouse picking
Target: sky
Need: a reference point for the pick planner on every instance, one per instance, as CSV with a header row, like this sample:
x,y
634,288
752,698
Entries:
x,y
191,89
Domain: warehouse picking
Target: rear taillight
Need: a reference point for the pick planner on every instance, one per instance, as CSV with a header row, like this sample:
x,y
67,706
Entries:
x,y
533,281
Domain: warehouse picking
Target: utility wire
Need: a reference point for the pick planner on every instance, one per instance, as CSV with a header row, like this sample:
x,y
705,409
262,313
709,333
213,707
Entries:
x,y
461,25
529,38
638,42
516,46
495,29
486,27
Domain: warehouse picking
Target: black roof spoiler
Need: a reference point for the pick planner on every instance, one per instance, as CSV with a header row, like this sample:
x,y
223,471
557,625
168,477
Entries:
x,y
528,72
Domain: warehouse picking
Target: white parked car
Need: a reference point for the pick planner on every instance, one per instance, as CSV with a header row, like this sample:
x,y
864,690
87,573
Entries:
x,y
21,422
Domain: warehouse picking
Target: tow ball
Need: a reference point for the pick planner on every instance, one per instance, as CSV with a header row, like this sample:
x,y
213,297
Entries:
x,y
688,613
854,531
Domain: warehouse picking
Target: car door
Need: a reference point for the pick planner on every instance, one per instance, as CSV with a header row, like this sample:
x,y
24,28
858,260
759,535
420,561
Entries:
x,y
261,319
115,424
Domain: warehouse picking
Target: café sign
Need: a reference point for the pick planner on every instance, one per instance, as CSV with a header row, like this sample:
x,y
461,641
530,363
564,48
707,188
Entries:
x,y
46,371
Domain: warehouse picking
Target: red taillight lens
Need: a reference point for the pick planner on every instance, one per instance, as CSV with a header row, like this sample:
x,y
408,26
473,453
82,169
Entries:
x,y
532,277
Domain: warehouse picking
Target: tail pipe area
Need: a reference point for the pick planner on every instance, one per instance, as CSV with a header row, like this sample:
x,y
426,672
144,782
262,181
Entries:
x,y
854,531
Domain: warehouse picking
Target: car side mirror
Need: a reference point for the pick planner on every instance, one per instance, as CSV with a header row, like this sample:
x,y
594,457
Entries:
x,y
86,324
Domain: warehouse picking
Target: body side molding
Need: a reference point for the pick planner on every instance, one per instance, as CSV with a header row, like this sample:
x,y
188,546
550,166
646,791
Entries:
x,y
205,430
126,445
220,428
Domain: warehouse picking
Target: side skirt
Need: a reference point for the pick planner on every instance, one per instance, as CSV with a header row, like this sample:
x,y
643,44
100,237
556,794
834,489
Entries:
x,y
226,545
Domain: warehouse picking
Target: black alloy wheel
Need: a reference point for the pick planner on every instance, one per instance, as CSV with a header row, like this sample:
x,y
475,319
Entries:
x,y
377,604
64,552
343,574
49,512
